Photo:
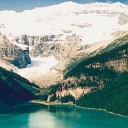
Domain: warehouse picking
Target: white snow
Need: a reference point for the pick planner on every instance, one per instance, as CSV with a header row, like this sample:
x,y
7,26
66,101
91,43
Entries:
x,y
52,19
22,46
94,22
39,66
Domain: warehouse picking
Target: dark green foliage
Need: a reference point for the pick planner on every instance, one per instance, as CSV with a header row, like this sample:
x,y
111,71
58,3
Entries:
x,y
68,98
113,97
15,89
114,54
42,97
10,75
54,88
115,44
75,64
53,98
109,88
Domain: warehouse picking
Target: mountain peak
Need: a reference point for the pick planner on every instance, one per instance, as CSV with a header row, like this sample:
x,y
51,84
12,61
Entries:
x,y
68,4
118,4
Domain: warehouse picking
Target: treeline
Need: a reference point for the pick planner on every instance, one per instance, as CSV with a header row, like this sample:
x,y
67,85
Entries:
x,y
113,94
16,89
113,97
96,75
114,54
67,98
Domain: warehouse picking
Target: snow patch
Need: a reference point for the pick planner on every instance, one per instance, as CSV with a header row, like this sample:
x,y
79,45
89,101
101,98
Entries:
x,y
39,66
102,17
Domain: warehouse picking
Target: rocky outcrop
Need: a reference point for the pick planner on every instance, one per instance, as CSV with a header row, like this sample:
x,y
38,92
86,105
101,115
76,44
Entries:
x,y
60,46
123,19
94,73
14,53
36,40
61,49
75,92
22,60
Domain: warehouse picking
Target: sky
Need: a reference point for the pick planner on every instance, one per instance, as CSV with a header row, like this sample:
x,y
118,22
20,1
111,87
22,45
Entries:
x,y
21,5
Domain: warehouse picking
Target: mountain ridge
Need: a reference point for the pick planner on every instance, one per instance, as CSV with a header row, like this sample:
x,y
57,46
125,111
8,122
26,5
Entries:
x,y
92,80
72,2
51,15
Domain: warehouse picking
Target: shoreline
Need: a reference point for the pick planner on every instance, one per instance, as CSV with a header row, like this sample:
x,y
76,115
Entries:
x,y
100,109
63,104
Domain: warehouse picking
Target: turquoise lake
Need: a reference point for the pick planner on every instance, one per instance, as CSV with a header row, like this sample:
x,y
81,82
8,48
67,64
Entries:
x,y
41,116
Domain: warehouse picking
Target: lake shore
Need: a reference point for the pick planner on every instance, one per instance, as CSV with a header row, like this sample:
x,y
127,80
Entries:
x,y
65,104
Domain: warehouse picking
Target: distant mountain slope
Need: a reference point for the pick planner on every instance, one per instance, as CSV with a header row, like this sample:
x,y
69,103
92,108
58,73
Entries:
x,y
13,53
102,80
66,34
116,43
14,89
113,45
79,19
113,97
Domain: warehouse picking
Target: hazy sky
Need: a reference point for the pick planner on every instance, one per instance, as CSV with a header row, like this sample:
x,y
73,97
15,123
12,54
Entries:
x,y
21,5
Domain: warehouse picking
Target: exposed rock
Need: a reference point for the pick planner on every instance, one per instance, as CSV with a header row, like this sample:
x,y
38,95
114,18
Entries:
x,y
57,47
66,31
119,33
123,19
13,53
82,25
75,92
118,65
49,97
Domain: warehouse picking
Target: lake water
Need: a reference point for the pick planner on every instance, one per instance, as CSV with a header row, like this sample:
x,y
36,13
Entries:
x,y
40,116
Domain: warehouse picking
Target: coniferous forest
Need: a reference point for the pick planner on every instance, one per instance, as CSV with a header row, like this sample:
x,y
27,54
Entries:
x,y
113,96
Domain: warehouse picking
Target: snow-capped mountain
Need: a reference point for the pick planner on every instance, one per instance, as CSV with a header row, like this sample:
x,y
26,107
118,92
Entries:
x,y
99,20
62,31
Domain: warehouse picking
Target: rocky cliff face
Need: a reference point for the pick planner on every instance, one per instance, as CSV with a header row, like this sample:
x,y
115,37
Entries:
x,y
48,45
45,46
123,19
14,53
94,73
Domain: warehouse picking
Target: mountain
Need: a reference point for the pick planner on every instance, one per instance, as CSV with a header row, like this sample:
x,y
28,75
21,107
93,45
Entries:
x,y
79,19
61,35
99,81
14,90
78,54
13,53
113,97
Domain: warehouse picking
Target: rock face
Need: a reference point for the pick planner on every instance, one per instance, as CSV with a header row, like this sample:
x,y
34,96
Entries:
x,y
45,46
75,92
94,73
123,19
57,45
14,53
22,60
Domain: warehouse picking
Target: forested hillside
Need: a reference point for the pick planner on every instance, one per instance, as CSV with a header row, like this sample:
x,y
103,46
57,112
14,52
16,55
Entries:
x,y
113,97
105,75
14,89
98,62
111,68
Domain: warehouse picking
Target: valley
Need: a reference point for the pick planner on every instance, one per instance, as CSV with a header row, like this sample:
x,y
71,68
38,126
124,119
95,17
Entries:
x,y
75,56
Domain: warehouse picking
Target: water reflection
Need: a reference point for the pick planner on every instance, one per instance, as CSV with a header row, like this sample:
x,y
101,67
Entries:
x,y
41,116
